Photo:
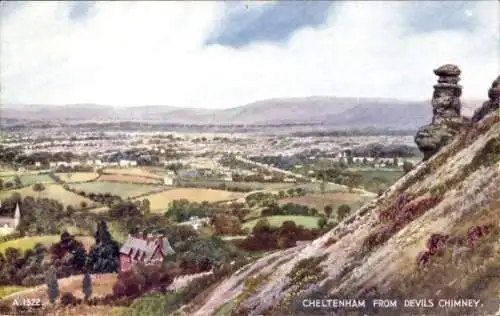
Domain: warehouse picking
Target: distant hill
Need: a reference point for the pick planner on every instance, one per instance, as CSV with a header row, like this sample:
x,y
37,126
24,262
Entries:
x,y
329,111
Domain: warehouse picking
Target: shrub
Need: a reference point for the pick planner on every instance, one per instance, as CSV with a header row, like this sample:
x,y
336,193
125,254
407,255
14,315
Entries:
x,y
68,299
343,211
141,279
397,216
155,304
437,242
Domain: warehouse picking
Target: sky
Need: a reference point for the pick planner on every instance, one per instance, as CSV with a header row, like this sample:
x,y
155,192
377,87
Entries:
x,y
218,54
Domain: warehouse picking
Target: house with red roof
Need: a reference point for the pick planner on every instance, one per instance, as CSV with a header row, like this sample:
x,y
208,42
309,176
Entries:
x,y
146,249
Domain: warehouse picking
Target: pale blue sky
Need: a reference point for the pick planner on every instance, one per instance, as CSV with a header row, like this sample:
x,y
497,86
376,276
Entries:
x,y
224,54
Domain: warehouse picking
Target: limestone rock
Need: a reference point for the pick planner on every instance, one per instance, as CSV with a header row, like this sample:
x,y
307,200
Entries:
x,y
446,108
493,104
430,138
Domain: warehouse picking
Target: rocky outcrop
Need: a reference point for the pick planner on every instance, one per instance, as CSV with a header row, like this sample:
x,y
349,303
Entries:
x,y
493,104
446,107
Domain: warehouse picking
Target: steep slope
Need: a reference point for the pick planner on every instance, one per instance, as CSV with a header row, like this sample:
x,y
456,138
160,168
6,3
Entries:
x,y
378,251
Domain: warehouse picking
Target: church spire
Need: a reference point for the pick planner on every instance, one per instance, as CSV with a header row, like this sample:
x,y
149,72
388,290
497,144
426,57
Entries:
x,y
17,216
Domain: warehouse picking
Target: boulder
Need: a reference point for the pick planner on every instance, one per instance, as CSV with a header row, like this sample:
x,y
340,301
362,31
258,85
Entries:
x,y
446,108
493,104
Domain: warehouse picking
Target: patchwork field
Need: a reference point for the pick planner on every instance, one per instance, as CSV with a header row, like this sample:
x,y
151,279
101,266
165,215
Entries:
x,y
7,173
71,177
125,190
128,179
29,179
316,187
319,201
101,285
159,201
52,191
306,221
132,172
240,185
26,243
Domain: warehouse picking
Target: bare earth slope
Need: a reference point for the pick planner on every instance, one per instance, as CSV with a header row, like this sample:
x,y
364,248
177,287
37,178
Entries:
x,y
450,194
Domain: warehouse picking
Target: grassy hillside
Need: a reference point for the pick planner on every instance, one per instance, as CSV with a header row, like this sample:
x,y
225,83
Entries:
x,y
434,233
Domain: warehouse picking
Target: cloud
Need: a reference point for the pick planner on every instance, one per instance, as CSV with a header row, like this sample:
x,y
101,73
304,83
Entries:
x,y
132,53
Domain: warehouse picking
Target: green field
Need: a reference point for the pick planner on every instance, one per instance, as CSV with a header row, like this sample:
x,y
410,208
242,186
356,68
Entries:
x,y
373,178
125,190
52,191
306,221
29,179
316,187
7,173
26,243
7,290
70,177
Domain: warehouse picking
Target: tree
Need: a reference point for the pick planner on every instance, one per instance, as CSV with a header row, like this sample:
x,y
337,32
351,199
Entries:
x,y
343,211
146,206
353,180
226,224
407,166
83,204
281,194
52,284
241,213
68,298
124,209
38,187
1,184
17,181
87,286
70,209
104,256
322,222
328,210
395,161
261,225
314,212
